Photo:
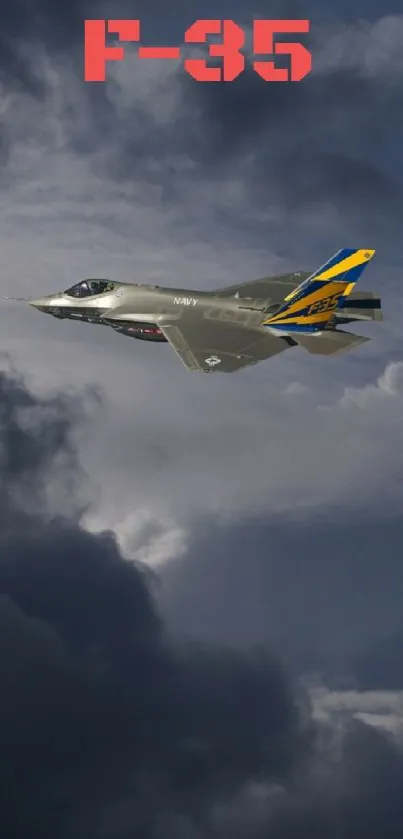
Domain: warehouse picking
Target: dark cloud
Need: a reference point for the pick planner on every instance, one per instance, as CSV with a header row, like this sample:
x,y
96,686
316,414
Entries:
x,y
29,28
380,665
109,729
318,141
345,179
38,463
333,139
46,22
355,794
98,712
322,591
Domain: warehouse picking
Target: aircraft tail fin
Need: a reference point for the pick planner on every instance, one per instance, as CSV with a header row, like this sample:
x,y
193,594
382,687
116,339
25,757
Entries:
x,y
310,307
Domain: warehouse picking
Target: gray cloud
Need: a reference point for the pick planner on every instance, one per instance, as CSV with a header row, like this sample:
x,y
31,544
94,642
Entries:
x,y
380,665
96,705
36,446
108,727
323,591
296,145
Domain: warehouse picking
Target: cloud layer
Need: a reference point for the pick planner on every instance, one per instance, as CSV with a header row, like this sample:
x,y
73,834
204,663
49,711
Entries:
x,y
97,709
108,727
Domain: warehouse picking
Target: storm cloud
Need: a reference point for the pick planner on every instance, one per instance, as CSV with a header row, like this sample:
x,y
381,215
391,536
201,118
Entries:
x,y
98,712
109,727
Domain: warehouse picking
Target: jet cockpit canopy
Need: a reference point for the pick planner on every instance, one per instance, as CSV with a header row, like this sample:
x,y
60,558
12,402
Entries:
x,y
89,288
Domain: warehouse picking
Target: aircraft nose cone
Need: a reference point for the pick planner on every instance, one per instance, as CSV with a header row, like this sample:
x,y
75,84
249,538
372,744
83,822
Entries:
x,y
42,304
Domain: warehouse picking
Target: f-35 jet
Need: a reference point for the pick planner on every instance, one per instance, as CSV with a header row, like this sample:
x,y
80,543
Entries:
x,y
231,328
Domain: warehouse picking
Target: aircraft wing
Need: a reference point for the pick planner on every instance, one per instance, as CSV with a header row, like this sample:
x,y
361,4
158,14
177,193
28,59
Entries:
x,y
209,345
273,288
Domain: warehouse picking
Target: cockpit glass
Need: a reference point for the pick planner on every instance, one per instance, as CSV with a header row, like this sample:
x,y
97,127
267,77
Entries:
x,y
89,288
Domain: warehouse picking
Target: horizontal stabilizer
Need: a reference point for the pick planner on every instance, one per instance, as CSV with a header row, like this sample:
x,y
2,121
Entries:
x,y
331,342
350,314
362,305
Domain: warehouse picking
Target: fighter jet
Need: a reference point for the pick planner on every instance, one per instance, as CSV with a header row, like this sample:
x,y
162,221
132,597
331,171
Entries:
x,y
232,328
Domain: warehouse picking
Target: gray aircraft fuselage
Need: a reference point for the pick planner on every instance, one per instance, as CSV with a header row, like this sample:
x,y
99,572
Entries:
x,y
136,309
230,328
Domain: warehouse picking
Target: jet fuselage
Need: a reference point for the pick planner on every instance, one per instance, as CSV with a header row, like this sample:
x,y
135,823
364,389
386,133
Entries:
x,y
136,309
231,328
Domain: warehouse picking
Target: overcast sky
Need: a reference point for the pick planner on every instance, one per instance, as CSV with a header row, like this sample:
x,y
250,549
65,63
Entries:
x,y
262,508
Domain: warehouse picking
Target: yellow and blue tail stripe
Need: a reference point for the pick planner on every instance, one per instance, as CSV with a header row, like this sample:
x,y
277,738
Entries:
x,y
311,305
